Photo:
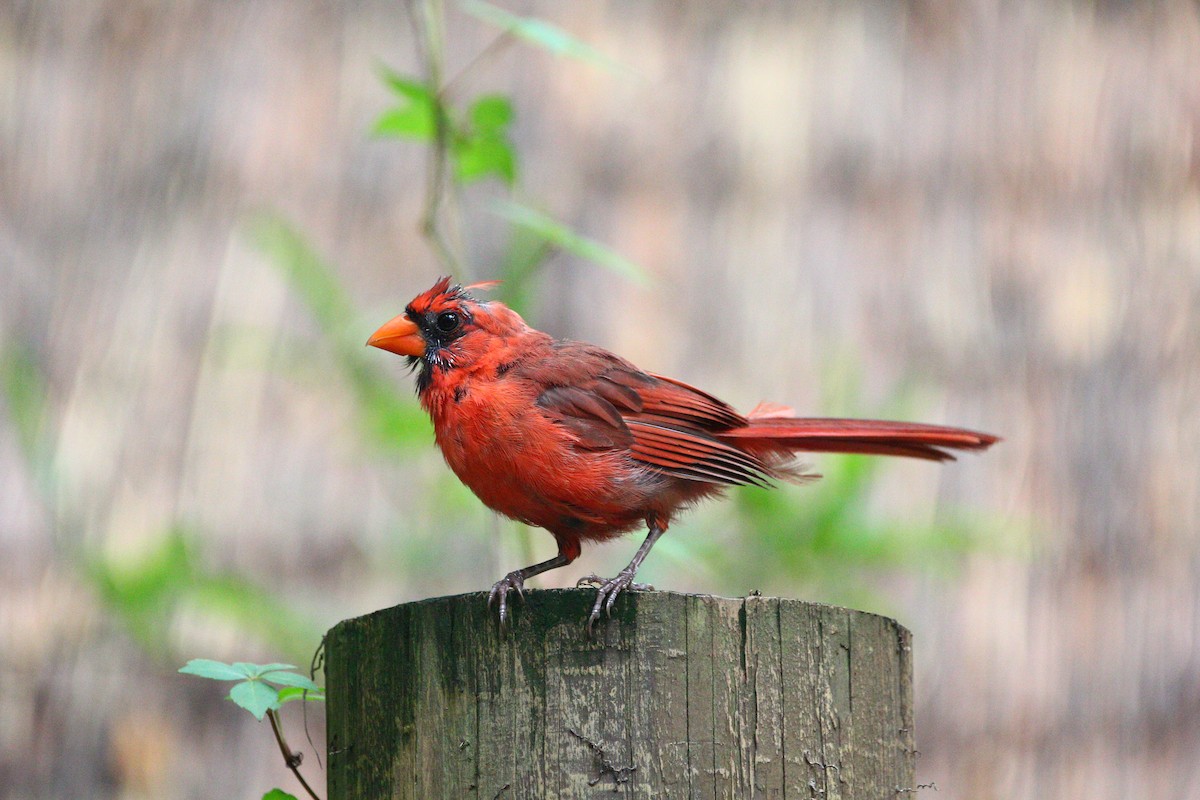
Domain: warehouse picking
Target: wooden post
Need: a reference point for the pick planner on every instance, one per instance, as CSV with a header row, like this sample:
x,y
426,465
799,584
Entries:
x,y
678,696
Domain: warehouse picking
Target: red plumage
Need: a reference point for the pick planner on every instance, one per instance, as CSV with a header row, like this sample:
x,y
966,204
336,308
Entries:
x,y
569,437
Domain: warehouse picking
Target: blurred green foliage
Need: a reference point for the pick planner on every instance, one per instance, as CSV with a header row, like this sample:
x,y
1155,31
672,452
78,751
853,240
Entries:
x,y
145,592
390,420
555,234
24,392
541,33
823,538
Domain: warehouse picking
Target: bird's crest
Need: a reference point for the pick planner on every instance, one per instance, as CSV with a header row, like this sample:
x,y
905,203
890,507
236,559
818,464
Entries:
x,y
445,295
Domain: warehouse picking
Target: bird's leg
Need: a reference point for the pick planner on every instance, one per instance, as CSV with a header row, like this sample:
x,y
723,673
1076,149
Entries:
x,y
516,580
608,590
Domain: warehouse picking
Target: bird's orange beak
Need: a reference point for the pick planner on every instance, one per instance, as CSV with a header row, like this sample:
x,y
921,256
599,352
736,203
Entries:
x,y
400,336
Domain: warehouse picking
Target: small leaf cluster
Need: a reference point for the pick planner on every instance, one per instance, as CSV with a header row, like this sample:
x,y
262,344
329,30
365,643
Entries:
x,y
253,690
473,140
477,141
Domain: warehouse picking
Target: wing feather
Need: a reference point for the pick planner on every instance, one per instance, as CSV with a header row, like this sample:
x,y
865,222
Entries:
x,y
677,400
596,423
686,454
691,444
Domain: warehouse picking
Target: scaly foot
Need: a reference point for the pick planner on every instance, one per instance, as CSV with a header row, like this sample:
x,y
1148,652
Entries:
x,y
514,580
607,591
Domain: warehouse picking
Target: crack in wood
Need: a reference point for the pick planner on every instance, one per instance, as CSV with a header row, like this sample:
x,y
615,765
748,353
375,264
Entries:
x,y
604,764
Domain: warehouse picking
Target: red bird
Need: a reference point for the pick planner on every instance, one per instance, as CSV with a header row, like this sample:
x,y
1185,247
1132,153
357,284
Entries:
x,y
569,437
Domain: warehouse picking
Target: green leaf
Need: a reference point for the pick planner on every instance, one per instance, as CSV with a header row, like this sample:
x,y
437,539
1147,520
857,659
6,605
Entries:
x,y
412,122
541,33
410,88
416,116
258,670
278,794
487,154
560,235
485,148
290,693
216,670
282,678
491,113
254,696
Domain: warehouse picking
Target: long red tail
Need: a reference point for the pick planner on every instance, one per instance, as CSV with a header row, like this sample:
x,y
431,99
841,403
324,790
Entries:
x,y
866,436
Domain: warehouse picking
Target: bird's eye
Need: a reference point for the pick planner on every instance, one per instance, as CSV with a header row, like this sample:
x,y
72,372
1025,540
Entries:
x,y
447,322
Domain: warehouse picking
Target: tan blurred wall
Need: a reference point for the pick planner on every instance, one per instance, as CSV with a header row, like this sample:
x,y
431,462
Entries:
x,y
998,201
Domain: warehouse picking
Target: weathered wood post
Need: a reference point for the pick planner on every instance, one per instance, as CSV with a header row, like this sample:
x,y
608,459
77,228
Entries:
x,y
677,696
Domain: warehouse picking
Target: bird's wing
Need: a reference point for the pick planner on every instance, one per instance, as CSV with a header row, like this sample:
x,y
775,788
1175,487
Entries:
x,y
591,417
694,455
675,402
664,424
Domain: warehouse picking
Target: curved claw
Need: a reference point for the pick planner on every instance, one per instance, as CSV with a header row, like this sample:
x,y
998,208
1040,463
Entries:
x,y
500,589
606,594
612,598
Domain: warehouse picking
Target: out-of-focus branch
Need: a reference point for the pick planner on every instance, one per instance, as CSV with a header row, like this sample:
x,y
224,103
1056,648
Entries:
x,y
494,48
429,30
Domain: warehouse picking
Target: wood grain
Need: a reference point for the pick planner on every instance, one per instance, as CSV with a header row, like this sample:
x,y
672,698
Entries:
x,y
678,696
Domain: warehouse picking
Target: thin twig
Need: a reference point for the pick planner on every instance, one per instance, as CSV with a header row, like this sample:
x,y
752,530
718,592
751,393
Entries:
x,y
431,42
495,47
290,758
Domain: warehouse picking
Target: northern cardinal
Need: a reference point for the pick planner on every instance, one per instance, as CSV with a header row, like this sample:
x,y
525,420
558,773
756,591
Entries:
x,y
569,437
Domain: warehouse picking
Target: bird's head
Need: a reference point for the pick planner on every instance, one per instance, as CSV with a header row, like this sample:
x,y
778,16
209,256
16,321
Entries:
x,y
446,327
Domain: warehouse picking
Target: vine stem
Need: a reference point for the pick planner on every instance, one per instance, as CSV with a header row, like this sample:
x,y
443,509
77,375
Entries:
x,y
429,31
292,759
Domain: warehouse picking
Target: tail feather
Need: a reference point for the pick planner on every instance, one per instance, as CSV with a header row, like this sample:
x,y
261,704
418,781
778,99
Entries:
x,y
863,436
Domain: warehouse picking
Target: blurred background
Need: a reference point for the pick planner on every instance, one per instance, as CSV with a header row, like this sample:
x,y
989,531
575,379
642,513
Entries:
x,y
981,213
